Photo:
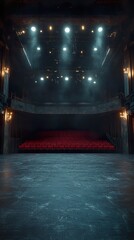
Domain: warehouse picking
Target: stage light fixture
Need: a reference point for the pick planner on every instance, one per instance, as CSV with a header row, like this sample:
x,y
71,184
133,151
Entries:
x,y
50,28
100,29
89,78
66,78
94,82
82,27
67,30
38,48
64,49
42,78
95,49
33,29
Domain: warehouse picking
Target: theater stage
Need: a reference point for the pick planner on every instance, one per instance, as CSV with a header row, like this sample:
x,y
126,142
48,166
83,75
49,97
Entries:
x,y
66,196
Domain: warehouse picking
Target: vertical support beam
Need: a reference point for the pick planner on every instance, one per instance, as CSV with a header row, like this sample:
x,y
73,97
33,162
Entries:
x,y
7,132
6,138
126,82
127,123
6,83
124,133
7,117
127,72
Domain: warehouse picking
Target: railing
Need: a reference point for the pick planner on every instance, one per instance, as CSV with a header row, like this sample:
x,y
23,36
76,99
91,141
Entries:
x,y
29,101
66,108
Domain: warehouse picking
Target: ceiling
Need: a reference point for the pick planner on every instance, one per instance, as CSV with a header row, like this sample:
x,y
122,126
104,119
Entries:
x,y
60,2
74,7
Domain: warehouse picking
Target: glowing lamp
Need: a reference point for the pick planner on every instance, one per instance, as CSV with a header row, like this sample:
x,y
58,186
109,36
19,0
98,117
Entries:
x,y
67,30
33,29
100,29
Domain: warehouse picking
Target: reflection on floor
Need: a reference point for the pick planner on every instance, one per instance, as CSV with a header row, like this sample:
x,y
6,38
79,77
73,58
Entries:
x,y
66,197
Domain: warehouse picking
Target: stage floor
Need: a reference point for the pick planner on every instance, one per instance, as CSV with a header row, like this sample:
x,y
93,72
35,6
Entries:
x,y
67,197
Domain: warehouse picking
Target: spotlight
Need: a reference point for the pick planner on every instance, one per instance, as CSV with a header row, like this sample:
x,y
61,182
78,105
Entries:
x,y
100,29
67,29
50,28
42,78
41,31
83,77
33,29
90,79
66,78
83,27
35,81
94,82
38,48
92,31
64,49
47,77
95,49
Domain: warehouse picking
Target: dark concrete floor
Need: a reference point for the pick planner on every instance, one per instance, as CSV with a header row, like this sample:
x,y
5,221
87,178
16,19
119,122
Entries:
x,y
66,197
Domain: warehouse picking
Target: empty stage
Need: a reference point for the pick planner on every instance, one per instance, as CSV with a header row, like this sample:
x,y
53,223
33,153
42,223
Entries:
x,y
66,197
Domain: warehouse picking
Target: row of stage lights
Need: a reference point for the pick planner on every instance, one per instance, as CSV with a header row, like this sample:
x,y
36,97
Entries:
x,y
66,78
67,29
65,49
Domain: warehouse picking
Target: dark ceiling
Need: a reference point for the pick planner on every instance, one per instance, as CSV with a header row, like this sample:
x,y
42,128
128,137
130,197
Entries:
x,y
74,7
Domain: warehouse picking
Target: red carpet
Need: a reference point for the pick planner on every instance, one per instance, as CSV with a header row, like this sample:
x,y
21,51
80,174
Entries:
x,y
67,141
